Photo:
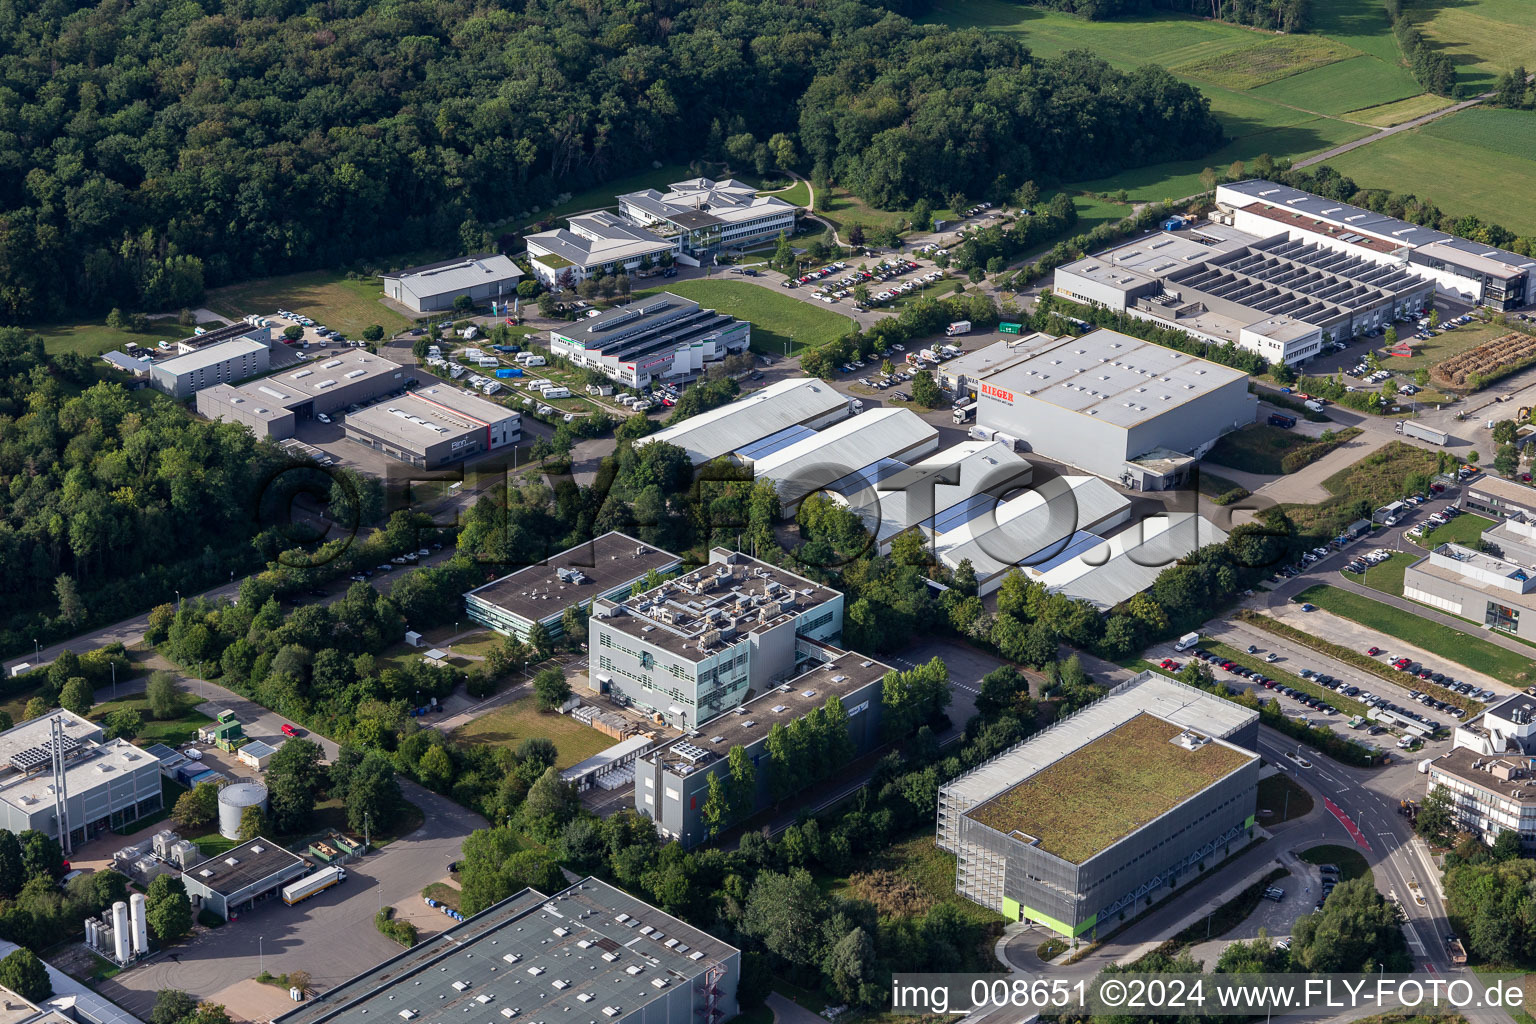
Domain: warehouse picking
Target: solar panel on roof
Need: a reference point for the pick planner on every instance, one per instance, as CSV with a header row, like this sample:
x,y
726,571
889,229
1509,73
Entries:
x,y
1081,541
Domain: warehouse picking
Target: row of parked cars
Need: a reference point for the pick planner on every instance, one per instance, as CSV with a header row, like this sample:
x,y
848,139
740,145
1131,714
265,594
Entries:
x,y
1260,679
1360,563
409,558
884,353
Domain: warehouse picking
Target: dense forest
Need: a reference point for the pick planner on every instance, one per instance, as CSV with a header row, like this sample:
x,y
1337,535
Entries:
x,y
1276,15
148,150
106,500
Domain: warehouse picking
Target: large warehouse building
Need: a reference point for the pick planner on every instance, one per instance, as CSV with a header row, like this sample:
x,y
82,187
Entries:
x,y
672,782
847,457
1122,408
230,882
604,567
435,426
690,649
1094,819
777,415
588,953
1035,528
663,337
107,783
246,352
1286,299
1458,267
274,406
434,286
940,492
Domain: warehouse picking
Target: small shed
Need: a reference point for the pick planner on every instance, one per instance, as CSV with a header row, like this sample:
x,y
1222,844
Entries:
x,y
413,638
256,754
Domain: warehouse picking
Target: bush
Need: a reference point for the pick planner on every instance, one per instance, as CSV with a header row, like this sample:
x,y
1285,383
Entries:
x,y
1228,497
402,932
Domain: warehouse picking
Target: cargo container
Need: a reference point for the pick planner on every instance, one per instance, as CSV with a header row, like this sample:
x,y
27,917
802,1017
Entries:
x,y
307,886
1280,420
1009,328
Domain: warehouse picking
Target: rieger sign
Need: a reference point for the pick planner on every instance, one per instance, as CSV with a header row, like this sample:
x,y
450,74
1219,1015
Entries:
x,y
1001,394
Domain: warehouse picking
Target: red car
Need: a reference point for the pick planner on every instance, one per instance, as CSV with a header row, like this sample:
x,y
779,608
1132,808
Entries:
x,y
289,730
1373,651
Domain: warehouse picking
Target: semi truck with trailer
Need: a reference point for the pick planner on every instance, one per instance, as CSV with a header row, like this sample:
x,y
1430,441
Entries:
x,y
965,412
309,885
1410,428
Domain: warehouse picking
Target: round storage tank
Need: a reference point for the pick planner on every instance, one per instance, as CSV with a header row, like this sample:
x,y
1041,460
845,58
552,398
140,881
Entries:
x,y
233,800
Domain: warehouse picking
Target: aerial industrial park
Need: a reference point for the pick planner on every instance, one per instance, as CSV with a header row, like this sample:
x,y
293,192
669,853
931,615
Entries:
x,y
766,513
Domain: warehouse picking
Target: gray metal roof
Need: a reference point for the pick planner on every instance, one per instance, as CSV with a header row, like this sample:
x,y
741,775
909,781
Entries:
x,y
570,957
1114,378
457,275
721,431
245,865
214,354
1031,528
843,448
1130,561
596,238
538,592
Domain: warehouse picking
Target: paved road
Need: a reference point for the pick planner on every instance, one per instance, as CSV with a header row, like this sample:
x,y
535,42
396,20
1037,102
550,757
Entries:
x,y
1385,132
332,936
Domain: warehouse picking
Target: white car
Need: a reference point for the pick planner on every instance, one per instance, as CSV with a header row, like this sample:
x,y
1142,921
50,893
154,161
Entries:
x,y
193,754
322,417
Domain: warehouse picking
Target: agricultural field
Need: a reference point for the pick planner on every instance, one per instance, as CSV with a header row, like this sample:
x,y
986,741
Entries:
x,y
1484,37
510,724
1339,87
1280,95
780,323
1265,62
327,296
1385,115
1466,163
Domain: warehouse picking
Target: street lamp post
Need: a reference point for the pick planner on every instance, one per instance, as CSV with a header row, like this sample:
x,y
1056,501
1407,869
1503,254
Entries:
x,y
261,956
114,680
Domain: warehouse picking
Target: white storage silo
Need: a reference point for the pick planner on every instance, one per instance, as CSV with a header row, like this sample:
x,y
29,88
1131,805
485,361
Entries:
x,y
233,800
90,932
120,931
140,924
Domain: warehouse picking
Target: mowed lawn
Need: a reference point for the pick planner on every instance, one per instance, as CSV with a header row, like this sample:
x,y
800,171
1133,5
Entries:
x,y
1453,645
1386,576
512,723
327,296
95,339
1452,163
1484,37
1429,351
1464,529
779,323
1343,86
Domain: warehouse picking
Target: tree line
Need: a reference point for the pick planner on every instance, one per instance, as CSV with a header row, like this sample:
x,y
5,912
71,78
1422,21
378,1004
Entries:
x,y
1274,15
1431,68
156,152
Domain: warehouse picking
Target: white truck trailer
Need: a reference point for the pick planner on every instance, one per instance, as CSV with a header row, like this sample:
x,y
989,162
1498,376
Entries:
x,y
309,885
1411,428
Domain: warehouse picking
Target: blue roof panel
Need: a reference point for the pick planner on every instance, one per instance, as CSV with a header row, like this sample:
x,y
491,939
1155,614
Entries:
x,y
1081,541
957,516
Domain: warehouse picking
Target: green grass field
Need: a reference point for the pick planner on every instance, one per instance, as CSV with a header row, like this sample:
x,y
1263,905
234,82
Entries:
x,y
1281,794
1451,644
95,339
1268,61
1464,529
1272,94
1484,37
1385,115
171,731
1260,448
1342,86
778,321
1450,162
512,723
326,296
1429,351
1387,576
799,194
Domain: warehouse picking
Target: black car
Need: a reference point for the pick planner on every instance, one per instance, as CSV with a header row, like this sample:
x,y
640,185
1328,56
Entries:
x,y
317,593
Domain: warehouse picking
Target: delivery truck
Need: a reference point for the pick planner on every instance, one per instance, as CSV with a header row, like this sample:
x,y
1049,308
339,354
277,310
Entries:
x,y
1187,641
958,327
307,886
965,412
1412,429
